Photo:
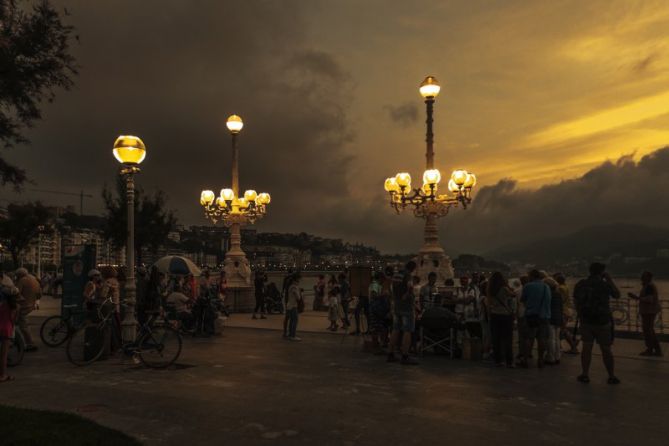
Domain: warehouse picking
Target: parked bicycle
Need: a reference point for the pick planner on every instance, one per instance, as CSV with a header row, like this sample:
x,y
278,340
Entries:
x,y
55,330
157,344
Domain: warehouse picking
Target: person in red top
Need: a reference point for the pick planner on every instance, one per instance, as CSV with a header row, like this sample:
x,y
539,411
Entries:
x,y
8,314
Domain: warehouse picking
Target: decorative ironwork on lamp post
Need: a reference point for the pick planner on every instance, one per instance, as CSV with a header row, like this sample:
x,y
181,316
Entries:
x,y
235,211
130,151
427,201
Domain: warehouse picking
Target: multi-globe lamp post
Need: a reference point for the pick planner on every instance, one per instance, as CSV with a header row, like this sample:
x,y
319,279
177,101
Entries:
x,y
130,151
235,211
428,201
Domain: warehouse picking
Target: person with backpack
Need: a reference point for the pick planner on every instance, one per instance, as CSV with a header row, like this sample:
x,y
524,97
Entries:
x,y
649,307
592,296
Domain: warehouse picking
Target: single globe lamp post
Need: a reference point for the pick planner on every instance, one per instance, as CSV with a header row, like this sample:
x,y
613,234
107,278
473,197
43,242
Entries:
x,y
130,151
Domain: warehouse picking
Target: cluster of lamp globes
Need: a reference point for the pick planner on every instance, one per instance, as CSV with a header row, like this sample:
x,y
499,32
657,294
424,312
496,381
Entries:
x,y
227,202
460,181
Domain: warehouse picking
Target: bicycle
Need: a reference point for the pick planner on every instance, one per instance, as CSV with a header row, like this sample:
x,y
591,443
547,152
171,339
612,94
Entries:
x,y
17,349
157,346
55,330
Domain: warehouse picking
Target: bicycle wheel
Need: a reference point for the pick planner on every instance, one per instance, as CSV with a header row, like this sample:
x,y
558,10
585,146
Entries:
x,y
17,348
54,331
86,345
159,347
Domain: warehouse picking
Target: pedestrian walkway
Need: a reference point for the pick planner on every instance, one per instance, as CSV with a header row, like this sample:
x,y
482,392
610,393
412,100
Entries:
x,y
252,387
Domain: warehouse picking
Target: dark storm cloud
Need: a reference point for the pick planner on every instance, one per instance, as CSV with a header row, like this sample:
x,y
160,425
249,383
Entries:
x,y
624,191
405,114
171,72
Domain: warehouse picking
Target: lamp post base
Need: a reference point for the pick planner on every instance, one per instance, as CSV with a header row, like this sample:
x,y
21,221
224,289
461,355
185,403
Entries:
x,y
240,299
433,261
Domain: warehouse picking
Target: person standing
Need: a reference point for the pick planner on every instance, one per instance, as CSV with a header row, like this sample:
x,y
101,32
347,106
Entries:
x,y
403,314
333,304
30,292
259,284
8,314
379,307
556,321
649,307
344,298
319,293
536,297
285,285
429,293
501,304
592,297
294,297
567,313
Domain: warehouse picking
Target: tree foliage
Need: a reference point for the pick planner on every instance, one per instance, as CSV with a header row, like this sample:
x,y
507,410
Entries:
x,y
22,226
152,221
35,61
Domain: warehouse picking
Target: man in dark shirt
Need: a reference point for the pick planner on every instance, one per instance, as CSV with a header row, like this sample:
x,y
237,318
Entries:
x,y
403,313
592,297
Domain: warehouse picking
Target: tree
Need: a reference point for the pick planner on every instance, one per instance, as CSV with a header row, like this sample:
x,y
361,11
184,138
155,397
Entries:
x,y
35,60
152,222
22,226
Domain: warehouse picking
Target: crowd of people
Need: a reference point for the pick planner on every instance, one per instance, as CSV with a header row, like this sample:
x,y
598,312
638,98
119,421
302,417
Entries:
x,y
485,311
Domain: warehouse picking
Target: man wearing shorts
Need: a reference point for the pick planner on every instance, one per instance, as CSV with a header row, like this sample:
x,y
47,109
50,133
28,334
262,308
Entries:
x,y
403,314
592,296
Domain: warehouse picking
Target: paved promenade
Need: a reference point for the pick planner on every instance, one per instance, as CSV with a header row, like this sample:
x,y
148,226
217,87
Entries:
x,y
251,387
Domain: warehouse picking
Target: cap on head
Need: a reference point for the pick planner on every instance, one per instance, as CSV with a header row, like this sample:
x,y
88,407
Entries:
x,y
94,272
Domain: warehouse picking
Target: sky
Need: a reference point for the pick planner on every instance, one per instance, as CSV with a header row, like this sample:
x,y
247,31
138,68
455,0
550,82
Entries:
x,y
536,96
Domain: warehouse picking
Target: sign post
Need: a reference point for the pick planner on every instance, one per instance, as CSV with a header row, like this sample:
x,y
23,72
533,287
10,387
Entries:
x,y
78,260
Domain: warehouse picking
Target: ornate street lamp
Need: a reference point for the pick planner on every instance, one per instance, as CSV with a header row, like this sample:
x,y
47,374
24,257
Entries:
x,y
427,201
130,151
235,211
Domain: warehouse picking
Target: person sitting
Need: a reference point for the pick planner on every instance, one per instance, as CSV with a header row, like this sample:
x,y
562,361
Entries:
x,y
181,304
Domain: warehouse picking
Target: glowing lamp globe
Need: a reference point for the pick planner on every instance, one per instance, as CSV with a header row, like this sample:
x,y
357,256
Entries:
x,y
250,195
429,88
429,189
129,150
234,124
228,194
403,179
453,187
221,202
432,176
470,181
459,176
243,203
207,197
390,185
263,198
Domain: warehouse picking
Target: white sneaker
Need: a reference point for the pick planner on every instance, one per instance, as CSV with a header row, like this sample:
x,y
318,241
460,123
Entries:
x,y
295,338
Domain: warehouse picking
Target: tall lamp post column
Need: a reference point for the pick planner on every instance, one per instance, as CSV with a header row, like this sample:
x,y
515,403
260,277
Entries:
x,y
130,152
235,211
235,255
428,201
